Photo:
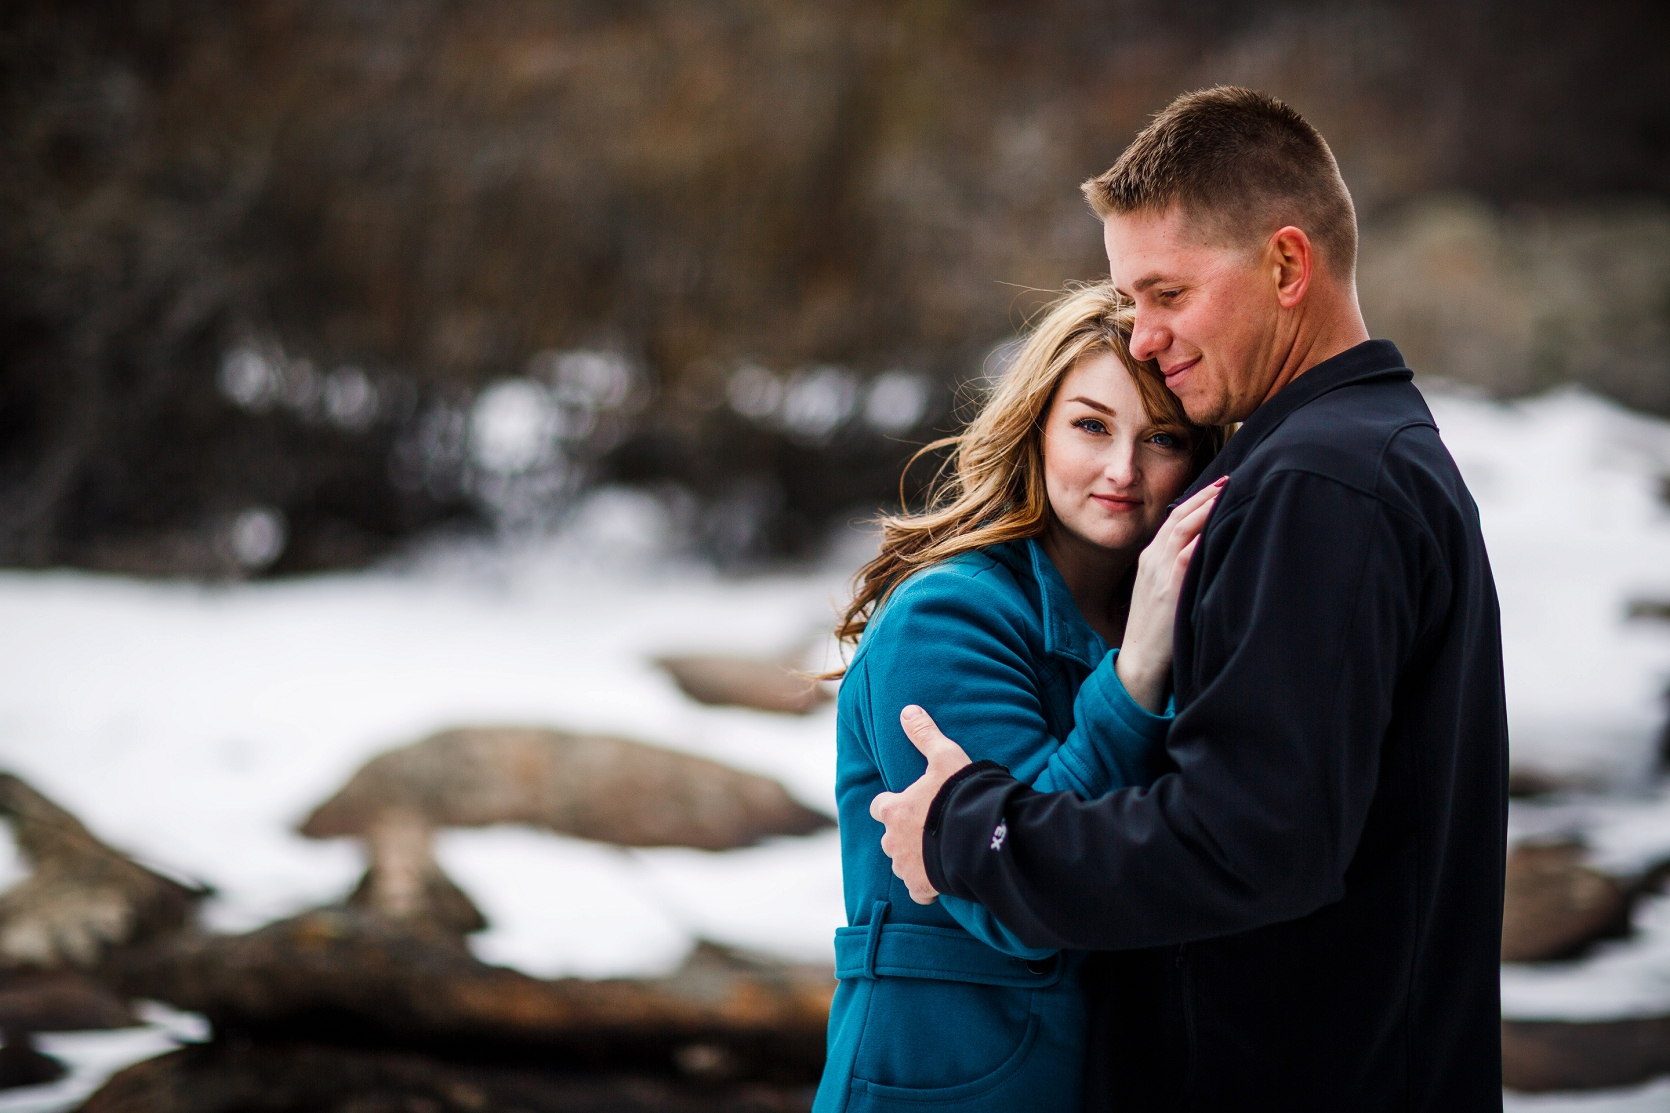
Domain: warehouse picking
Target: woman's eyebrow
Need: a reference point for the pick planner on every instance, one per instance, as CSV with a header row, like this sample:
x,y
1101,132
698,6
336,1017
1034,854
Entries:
x,y
1109,410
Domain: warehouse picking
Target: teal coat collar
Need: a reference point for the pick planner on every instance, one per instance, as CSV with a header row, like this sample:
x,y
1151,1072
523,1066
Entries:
x,y
1066,633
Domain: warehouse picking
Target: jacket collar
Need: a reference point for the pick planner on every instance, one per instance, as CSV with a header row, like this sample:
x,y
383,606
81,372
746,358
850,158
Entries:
x,y
1370,361
1066,633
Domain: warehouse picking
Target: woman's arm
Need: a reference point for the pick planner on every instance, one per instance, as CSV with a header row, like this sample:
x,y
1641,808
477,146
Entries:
x,y
1145,666
1123,709
962,639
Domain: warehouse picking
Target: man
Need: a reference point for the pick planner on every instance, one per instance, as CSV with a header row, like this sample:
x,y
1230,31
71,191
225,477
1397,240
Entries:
x,y
1306,910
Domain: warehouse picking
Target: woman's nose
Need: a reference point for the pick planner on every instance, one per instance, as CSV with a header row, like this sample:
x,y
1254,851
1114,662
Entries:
x,y
1121,464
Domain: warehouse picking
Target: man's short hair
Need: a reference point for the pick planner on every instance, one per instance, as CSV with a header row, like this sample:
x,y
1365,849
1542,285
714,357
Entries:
x,y
1241,160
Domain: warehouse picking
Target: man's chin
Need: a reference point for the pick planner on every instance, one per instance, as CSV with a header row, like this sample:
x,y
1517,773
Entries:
x,y
1205,410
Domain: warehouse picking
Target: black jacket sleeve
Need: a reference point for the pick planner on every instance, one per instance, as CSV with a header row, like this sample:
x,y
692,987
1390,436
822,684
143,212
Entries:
x,y
1306,603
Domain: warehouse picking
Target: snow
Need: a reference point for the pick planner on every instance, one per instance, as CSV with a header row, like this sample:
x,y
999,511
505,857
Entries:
x,y
1568,488
92,1057
196,725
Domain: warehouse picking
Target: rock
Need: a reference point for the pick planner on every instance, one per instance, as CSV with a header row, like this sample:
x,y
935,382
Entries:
x,y
1558,1055
1554,905
744,682
373,978
405,881
1650,608
308,1078
1526,781
593,787
82,898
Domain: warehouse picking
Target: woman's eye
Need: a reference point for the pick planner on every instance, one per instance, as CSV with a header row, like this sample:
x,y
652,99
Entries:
x,y
1090,425
1165,440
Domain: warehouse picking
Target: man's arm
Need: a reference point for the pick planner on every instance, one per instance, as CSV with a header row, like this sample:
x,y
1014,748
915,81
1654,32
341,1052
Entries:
x,y
979,669
1305,620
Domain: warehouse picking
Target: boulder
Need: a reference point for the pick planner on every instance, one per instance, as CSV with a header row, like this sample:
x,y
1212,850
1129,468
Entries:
x,y
1542,1056
590,786
1554,905
745,682
1650,608
1525,781
82,899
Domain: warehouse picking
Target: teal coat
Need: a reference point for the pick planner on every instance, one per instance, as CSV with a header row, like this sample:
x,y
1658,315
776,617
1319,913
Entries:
x,y
939,1007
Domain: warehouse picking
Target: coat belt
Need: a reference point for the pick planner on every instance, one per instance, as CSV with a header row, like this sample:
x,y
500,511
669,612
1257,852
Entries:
x,y
883,950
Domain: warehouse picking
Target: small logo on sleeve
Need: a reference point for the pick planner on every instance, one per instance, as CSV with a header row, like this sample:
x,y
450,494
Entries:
x,y
1000,834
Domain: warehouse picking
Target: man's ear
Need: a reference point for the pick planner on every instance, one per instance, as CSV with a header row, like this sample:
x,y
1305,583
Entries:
x,y
1290,259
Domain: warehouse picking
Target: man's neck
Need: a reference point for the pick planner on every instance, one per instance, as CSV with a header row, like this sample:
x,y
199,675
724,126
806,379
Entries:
x,y
1328,327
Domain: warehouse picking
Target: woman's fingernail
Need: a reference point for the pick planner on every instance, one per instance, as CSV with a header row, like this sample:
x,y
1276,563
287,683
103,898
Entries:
x,y
1221,481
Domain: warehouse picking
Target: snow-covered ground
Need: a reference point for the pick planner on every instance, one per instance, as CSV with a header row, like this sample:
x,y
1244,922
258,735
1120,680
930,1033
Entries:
x,y
194,725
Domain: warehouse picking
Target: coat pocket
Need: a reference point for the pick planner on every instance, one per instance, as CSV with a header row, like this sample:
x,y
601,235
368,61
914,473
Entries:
x,y
935,1041
988,1092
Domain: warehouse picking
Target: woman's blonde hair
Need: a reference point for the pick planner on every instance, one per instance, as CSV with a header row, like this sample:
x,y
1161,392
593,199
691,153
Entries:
x,y
990,488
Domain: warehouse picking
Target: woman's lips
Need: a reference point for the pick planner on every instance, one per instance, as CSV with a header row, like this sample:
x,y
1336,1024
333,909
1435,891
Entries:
x,y
1118,503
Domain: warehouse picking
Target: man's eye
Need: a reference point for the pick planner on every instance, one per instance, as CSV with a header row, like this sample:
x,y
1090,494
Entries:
x,y
1169,295
1090,425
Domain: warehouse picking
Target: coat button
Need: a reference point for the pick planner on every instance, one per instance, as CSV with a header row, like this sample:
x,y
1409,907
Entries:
x,y
1042,966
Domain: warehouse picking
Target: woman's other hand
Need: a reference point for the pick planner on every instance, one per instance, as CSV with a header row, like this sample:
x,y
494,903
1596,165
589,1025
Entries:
x,y
1144,662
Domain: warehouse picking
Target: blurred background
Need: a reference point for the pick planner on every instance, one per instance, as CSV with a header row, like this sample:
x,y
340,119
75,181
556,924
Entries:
x,y
370,269
371,368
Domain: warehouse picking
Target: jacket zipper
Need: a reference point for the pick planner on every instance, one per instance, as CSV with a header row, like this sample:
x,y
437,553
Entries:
x,y
1185,987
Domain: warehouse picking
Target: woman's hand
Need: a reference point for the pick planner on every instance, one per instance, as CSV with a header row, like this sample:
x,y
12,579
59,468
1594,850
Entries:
x,y
1144,663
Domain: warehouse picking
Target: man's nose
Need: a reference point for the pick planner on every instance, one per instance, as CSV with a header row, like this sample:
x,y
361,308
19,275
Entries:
x,y
1147,341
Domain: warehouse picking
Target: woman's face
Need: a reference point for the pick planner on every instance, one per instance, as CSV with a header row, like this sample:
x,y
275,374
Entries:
x,y
1109,471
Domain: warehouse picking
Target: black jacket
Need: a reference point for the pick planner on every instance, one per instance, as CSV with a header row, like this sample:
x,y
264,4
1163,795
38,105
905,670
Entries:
x,y
1309,905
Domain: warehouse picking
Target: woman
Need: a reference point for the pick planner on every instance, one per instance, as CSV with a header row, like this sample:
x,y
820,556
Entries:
x,y
1047,543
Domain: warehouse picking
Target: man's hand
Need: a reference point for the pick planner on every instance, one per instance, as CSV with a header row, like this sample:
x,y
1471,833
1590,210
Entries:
x,y
905,813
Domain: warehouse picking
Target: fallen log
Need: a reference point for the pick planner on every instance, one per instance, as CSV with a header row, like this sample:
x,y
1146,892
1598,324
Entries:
x,y
59,1001
1554,905
360,976
306,1078
1543,1055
